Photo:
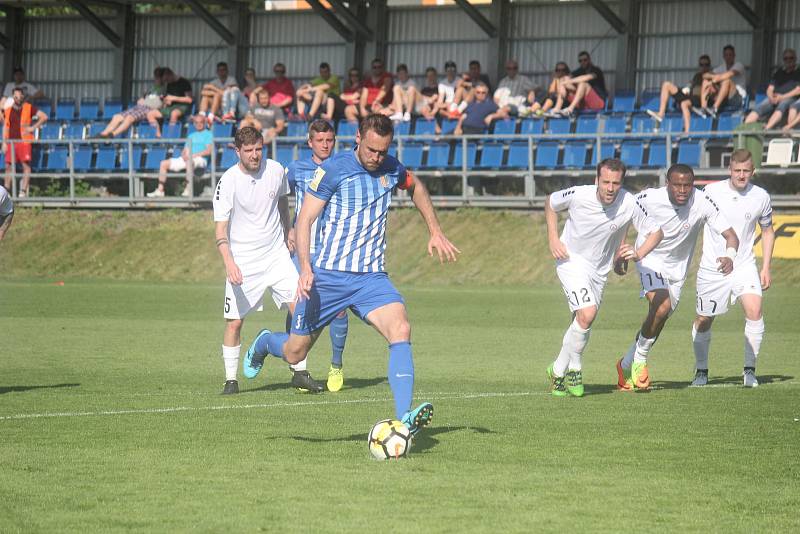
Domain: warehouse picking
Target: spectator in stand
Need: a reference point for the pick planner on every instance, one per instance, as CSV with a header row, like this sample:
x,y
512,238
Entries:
x,y
18,125
281,89
264,115
194,155
145,109
376,92
585,88
221,94
552,99
479,113
345,106
177,98
250,82
793,118
468,80
6,211
447,92
725,83
685,98
428,103
405,95
316,91
514,92
782,92
30,91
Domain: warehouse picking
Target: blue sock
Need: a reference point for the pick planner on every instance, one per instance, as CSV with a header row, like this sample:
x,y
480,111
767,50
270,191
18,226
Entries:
x,y
401,377
272,343
338,333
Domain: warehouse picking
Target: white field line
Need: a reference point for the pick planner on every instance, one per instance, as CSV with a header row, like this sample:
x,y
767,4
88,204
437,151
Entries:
x,y
431,396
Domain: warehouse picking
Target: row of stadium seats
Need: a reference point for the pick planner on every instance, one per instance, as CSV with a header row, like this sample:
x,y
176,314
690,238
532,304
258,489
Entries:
x,y
434,156
143,130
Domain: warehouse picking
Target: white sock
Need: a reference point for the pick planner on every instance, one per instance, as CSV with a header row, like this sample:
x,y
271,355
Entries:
x,y
452,107
211,116
627,360
462,106
230,357
578,338
643,346
701,342
753,335
300,366
561,363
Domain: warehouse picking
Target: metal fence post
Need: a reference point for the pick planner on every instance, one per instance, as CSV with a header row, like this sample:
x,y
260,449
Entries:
x,y
189,167
14,192
464,179
213,166
71,170
130,170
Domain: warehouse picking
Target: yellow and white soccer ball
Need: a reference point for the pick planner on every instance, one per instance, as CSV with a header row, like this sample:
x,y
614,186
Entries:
x,y
389,439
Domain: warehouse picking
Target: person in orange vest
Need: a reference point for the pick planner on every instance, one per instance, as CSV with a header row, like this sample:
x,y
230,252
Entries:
x,y
18,126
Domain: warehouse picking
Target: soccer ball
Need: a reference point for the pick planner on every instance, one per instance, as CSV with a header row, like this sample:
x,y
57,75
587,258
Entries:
x,y
389,439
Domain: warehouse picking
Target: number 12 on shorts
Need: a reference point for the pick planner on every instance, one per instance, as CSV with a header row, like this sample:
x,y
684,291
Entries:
x,y
573,298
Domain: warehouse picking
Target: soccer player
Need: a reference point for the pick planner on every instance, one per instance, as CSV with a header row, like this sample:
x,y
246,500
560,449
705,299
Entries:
x,y
352,191
251,214
680,211
6,212
744,205
300,173
599,216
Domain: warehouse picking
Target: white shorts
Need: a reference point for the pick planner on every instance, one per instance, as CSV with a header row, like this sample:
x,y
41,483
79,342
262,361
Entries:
x,y
581,287
274,272
179,164
715,291
653,280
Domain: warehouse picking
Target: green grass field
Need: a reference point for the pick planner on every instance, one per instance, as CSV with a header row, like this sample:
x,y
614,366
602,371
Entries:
x,y
111,420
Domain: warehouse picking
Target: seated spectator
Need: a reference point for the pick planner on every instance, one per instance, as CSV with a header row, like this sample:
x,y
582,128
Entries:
x,y
316,91
143,110
793,118
30,91
479,113
468,81
447,92
221,94
514,92
551,99
427,103
250,82
405,95
281,89
585,88
782,92
376,92
18,125
264,115
725,83
195,156
6,211
177,98
685,98
345,106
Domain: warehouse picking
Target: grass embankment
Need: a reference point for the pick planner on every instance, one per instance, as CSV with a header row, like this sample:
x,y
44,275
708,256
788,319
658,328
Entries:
x,y
498,247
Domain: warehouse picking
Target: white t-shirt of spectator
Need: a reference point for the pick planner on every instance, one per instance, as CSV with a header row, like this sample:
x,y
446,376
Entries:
x,y
27,89
230,81
518,86
6,206
405,85
447,90
249,202
738,78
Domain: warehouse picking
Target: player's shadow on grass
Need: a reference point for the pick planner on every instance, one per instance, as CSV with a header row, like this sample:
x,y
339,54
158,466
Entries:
x,y
349,383
424,441
599,389
12,389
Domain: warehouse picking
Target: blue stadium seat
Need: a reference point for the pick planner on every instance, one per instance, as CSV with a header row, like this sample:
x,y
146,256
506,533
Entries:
x,y
2,159
574,155
145,130
587,124
547,155
224,129
172,130
57,158
227,159
412,155
672,123
458,155
505,127
65,109
690,152
760,97
293,129
82,157
285,153
155,155
304,151
702,125
346,128
518,155
632,153
559,126
624,102
111,106
614,125
651,99
642,124
438,155
73,130
44,105
492,155
531,127
94,129
392,150
136,160
448,125
50,130
402,128
607,150
657,156
89,109
106,158
728,122
425,127
37,158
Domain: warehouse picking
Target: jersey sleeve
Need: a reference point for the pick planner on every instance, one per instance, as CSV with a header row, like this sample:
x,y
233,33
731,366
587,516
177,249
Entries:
x,y
713,216
765,220
561,200
289,174
284,188
223,199
324,182
6,205
405,178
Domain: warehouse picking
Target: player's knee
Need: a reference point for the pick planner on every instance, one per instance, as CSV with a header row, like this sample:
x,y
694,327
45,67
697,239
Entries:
x,y
233,326
703,323
585,317
400,331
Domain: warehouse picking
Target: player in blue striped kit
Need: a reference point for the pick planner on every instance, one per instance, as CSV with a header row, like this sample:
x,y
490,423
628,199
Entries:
x,y
352,192
300,173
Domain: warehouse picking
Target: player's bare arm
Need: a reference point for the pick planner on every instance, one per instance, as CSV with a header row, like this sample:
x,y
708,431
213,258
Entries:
x,y
422,200
224,247
5,223
312,207
557,248
731,246
286,222
767,246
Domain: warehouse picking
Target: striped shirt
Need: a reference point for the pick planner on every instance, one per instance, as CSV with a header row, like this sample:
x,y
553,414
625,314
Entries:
x,y
357,205
299,174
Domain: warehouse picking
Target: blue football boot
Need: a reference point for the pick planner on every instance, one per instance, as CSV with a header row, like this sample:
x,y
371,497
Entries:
x,y
418,418
253,362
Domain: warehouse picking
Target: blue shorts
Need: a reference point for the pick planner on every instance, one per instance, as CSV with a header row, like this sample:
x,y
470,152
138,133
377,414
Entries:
x,y
334,291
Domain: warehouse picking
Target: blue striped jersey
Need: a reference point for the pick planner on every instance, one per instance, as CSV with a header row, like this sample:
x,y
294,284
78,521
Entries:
x,y
357,205
299,174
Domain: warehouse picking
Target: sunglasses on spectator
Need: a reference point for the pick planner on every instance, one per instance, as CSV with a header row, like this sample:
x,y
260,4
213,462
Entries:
x,y
377,66
511,67
583,60
481,92
561,69
354,75
789,58
279,71
704,64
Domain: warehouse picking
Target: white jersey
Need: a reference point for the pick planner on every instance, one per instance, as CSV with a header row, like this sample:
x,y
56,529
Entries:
x,y
250,203
742,210
681,226
6,206
593,230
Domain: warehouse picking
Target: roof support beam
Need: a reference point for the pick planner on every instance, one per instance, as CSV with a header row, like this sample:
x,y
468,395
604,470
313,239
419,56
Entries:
x,y
352,20
497,52
608,15
15,22
5,42
200,10
331,19
628,45
478,18
747,14
97,22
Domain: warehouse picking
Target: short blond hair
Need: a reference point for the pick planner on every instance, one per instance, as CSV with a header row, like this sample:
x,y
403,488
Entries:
x,y
741,155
